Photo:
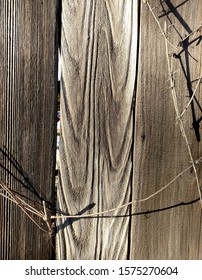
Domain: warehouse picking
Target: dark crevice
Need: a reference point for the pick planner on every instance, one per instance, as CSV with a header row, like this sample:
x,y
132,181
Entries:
x,y
58,48
133,128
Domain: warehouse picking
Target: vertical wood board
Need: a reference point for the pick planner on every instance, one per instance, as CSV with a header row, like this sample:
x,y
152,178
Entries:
x,y
28,79
169,224
99,44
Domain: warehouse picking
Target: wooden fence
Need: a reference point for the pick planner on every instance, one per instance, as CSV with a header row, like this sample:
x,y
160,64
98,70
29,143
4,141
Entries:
x,y
129,182
27,120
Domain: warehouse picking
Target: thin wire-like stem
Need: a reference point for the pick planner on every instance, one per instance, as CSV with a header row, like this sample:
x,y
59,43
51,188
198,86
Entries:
x,y
47,219
192,97
19,201
181,125
159,26
174,95
9,192
129,203
31,208
189,35
7,197
21,204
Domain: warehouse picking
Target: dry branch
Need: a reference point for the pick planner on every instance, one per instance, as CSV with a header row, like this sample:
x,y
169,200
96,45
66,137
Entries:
x,y
10,195
174,94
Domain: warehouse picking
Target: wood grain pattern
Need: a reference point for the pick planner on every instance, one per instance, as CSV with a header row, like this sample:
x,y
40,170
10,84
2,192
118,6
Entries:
x,y
28,76
160,151
99,44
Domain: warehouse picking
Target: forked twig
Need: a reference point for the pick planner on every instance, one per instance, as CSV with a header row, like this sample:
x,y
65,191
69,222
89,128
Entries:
x,y
192,97
46,218
181,125
189,35
131,202
161,30
10,195
22,204
174,94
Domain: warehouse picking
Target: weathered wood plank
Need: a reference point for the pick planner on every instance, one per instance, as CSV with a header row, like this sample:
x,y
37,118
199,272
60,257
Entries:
x,y
160,151
99,40
28,80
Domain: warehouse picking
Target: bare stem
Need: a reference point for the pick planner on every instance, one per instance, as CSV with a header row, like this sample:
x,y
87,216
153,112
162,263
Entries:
x,y
159,26
181,125
192,97
129,203
189,35
47,220
25,207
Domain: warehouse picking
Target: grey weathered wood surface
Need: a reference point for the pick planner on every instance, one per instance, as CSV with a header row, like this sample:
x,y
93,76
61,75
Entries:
x,y
99,40
107,157
28,82
119,136
160,152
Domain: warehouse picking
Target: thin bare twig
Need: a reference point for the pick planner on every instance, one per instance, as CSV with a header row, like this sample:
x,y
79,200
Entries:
x,y
192,97
21,204
189,35
181,125
161,30
47,218
129,203
174,95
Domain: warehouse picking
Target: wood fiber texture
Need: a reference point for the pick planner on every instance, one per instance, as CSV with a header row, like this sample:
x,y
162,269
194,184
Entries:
x,y
169,230
99,45
28,79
